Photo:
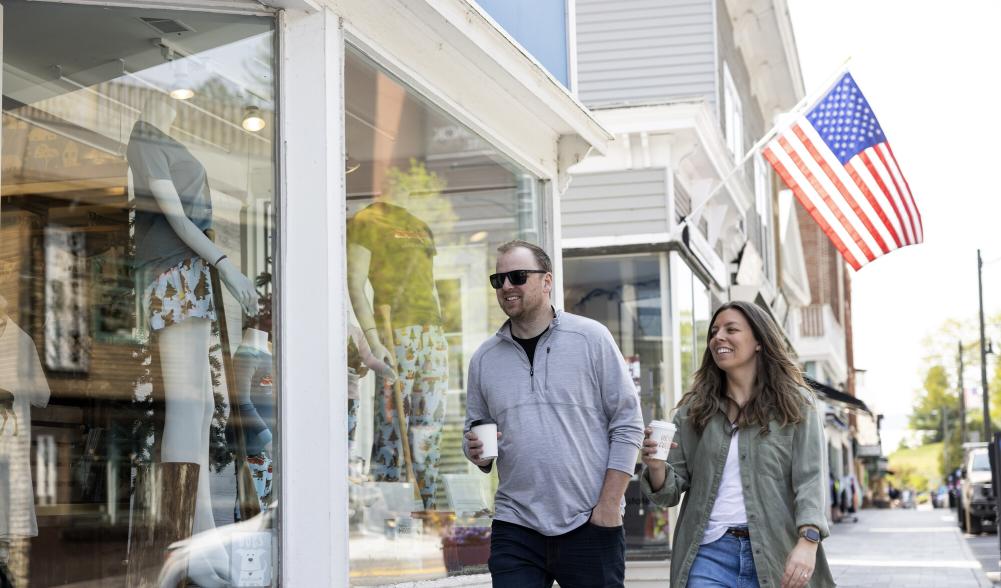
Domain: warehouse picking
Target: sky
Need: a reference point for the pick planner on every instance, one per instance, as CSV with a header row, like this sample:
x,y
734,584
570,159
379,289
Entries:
x,y
928,69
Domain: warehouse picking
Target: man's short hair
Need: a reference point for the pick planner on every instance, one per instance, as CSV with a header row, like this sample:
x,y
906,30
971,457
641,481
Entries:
x,y
541,257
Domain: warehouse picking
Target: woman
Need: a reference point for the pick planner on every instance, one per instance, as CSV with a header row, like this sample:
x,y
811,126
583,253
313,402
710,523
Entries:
x,y
749,453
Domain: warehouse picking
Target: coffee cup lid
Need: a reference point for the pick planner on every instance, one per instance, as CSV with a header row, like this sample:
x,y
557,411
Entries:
x,y
661,424
479,422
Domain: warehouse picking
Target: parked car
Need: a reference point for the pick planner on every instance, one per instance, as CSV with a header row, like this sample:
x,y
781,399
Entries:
x,y
977,509
238,554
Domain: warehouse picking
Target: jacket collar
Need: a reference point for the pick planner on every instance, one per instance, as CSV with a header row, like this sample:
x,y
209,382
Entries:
x,y
505,330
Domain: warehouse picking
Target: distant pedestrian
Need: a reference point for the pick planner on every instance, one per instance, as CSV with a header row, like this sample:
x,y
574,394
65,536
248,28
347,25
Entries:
x,y
750,460
569,431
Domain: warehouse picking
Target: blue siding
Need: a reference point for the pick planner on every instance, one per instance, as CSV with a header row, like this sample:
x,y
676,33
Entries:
x,y
540,26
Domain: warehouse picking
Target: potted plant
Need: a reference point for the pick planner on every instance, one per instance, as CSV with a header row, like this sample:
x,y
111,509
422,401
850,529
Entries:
x,y
465,547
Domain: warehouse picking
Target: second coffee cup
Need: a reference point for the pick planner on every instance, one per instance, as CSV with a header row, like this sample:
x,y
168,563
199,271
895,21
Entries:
x,y
663,433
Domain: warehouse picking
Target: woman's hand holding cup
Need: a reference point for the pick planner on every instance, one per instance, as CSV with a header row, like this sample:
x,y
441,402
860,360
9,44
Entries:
x,y
650,448
656,466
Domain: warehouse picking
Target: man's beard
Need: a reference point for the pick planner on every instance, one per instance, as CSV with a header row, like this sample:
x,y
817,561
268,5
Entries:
x,y
514,315
523,311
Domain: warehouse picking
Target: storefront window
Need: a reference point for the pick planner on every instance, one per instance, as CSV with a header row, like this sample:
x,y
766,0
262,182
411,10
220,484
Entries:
x,y
137,421
428,204
692,315
626,293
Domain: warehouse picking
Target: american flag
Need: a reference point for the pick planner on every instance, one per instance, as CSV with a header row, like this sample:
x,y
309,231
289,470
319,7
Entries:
x,y
838,162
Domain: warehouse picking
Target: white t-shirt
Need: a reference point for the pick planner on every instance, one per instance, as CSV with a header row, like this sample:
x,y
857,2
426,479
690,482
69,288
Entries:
x,y
728,510
22,384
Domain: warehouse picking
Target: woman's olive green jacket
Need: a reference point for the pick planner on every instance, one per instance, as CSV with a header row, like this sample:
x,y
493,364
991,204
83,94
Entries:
x,y
784,479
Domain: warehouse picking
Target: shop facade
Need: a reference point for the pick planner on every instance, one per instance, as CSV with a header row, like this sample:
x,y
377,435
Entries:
x,y
217,404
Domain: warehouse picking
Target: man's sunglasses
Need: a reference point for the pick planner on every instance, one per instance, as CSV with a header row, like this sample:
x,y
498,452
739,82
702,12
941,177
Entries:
x,y
516,277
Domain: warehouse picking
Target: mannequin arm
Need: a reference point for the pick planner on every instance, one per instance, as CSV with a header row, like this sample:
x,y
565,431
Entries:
x,y
238,284
359,260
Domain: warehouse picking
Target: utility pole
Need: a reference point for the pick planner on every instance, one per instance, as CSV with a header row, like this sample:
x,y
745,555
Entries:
x,y
962,400
983,352
995,443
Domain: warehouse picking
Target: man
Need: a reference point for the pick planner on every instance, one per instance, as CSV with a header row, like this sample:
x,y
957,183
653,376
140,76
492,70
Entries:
x,y
569,430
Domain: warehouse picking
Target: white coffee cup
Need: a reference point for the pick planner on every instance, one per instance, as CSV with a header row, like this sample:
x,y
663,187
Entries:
x,y
487,433
663,433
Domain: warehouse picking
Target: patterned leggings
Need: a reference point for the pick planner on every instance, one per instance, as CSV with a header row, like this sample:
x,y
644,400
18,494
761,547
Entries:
x,y
422,365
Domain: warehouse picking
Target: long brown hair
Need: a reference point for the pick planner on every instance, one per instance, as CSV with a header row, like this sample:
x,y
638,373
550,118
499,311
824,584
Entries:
x,y
775,393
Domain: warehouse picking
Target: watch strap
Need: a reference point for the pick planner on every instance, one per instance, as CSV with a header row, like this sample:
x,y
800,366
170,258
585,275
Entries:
x,y
809,534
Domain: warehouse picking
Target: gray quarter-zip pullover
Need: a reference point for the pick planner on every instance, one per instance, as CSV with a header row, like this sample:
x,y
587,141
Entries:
x,y
564,421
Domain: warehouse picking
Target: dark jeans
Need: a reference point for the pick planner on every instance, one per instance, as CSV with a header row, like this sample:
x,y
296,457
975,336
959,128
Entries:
x,y
589,556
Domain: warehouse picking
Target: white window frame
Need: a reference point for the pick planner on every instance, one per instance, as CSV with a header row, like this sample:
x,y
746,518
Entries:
x,y
313,353
733,115
763,206
761,189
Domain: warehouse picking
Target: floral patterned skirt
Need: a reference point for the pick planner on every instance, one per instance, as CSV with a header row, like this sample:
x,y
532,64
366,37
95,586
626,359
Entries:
x,y
182,292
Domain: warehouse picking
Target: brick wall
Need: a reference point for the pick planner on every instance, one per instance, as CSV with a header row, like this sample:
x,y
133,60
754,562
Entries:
x,y
830,281
822,261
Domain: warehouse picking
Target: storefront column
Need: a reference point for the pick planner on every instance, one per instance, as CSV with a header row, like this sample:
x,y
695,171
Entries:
x,y
313,357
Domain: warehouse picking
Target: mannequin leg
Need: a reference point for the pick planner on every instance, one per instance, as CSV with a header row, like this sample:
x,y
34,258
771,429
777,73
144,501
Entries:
x,y
427,419
422,366
204,519
184,353
387,447
257,434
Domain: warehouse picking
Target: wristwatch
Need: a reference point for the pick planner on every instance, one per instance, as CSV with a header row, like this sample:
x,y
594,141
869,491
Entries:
x,y
810,534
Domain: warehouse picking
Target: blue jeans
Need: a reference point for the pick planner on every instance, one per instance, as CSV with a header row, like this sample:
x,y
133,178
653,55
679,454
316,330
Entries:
x,y
724,563
589,556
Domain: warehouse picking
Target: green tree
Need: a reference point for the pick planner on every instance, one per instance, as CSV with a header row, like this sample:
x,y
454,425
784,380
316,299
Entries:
x,y
936,401
907,476
995,381
939,396
952,456
936,416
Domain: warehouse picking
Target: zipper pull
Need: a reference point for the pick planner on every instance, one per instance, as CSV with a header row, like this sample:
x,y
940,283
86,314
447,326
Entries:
x,y
531,372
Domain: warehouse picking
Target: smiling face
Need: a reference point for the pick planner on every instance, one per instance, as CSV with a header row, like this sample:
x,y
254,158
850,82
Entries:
x,y
525,302
732,342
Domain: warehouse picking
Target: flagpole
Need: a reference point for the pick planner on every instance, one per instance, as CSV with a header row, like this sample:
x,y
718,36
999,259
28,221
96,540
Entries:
x,y
805,101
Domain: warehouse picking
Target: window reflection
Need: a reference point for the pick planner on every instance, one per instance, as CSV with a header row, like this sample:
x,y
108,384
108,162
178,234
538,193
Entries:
x,y
693,314
136,412
428,203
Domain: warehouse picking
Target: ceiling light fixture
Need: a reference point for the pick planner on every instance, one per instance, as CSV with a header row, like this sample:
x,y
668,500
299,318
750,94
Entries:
x,y
180,87
253,119
181,92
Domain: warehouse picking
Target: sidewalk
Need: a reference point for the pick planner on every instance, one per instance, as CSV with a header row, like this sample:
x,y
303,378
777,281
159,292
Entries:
x,y
903,548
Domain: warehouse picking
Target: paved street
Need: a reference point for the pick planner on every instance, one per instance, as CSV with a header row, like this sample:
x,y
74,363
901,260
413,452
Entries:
x,y
903,548
985,549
